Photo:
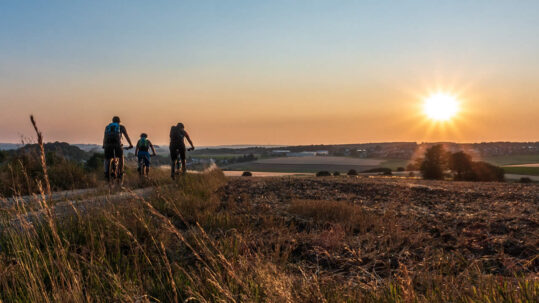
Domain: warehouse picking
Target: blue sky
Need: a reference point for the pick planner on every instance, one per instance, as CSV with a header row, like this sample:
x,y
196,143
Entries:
x,y
55,53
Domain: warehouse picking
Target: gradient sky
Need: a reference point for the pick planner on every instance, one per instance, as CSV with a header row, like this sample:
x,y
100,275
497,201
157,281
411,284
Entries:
x,y
269,72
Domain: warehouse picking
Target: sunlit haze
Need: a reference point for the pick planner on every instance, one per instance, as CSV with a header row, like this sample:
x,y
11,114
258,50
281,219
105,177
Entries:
x,y
271,72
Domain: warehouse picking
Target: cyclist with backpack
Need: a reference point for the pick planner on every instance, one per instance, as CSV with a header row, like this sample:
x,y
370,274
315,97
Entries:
x,y
142,151
112,144
177,147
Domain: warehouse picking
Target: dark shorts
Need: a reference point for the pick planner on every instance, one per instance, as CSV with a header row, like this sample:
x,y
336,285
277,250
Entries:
x,y
112,151
144,157
177,150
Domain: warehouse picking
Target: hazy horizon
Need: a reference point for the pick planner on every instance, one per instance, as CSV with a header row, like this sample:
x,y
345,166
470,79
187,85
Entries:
x,y
276,73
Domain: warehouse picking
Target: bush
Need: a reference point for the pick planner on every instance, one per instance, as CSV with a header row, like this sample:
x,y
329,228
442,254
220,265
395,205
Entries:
x,y
414,164
336,173
383,170
400,168
525,180
247,174
323,173
21,171
483,171
352,172
95,162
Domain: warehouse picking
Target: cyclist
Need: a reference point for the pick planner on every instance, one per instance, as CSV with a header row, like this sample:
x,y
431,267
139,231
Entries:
x,y
112,144
177,147
142,152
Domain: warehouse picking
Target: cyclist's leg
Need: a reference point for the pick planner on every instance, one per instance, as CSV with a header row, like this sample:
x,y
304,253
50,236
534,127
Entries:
x,y
140,166
147,163
114,164
173,159
182,157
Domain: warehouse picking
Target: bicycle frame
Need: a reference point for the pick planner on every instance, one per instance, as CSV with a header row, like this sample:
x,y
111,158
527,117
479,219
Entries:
x,y
143,170
115,171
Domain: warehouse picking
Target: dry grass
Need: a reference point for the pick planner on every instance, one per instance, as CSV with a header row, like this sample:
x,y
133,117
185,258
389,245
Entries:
x,y
191,241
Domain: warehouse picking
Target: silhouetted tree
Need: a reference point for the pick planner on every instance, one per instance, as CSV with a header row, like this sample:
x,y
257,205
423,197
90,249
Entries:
x,y
461,164
434,163
352,172
464,168
483,171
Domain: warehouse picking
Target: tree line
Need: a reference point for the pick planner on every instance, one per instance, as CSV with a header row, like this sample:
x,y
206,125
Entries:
x,y
438,163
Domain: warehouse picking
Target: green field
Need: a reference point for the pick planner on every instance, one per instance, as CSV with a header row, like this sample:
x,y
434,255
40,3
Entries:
x,y
394,163
512,159
306,164
532,171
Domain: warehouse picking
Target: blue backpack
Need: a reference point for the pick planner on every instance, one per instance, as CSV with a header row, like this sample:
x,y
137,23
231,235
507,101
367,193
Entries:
x,y
113,133
143,144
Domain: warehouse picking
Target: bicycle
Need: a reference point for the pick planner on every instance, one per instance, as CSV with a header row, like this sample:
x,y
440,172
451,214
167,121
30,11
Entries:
x,y
178,164
115,173
143,169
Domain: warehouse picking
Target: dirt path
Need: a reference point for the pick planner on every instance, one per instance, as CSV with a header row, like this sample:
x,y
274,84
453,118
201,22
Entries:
x,y
83,206
73,206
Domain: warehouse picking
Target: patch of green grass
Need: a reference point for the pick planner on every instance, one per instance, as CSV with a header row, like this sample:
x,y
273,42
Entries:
x,y
219,156
512,159
394,163
531,171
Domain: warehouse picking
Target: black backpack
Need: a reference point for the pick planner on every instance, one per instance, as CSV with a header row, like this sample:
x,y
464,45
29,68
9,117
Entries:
x,y
113,133
176,135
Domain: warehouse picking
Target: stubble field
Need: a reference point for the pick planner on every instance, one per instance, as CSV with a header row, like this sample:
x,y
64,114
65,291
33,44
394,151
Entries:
x,y
208,238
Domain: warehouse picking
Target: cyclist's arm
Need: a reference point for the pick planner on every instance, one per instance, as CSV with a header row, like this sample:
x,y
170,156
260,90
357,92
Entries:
x,y
124,132
189,139
153,149
104,136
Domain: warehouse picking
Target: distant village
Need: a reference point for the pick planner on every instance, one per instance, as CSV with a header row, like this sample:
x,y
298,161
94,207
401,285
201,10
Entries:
x,y
230,155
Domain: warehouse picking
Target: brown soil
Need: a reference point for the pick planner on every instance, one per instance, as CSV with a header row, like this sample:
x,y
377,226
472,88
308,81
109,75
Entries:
x,y
427,226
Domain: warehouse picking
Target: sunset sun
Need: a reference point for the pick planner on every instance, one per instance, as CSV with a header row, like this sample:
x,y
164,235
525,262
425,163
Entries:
x,y
440,107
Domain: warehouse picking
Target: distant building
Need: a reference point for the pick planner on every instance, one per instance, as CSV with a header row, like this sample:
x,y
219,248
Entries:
x,y
321,152
362,153
301,154
283,152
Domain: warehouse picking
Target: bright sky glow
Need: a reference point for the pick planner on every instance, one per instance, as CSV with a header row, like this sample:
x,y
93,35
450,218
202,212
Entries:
x,y
440,107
